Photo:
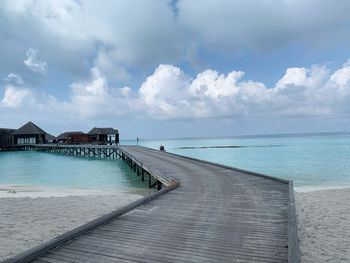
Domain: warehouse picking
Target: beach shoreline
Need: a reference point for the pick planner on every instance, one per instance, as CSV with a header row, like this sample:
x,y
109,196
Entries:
x,y
31,215
313,188
35,191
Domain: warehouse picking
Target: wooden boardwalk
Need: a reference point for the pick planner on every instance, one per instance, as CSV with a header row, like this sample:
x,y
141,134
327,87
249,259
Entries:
x,y
216,214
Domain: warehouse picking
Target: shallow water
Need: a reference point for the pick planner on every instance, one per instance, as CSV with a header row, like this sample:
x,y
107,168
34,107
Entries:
x,y
307,160
49,169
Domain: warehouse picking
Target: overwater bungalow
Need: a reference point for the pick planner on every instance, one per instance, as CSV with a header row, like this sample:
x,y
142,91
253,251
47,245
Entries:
x,y
68,137
50,138
75,138
29,133
104,135
6,137
32,134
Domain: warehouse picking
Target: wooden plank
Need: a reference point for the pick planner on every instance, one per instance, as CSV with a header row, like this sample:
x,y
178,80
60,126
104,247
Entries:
x,y
74,256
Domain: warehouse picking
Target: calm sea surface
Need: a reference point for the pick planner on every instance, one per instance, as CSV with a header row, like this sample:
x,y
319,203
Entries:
x,y
307,160
49,169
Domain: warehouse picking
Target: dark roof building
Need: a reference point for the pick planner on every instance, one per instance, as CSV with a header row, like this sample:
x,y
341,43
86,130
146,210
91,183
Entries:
x,y
104,135
6,137
50,138
77,138
29,129
103,131
29,133
64,136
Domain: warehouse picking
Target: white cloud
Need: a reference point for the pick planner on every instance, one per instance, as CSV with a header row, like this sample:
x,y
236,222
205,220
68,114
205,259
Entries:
x,y
14,97
94,99
165,92
170,94
314,91
14,78
32,63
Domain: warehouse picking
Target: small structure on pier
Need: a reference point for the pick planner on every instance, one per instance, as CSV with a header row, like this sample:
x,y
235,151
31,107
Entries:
x,y
68,137
32,134
104,135
29,133
50,138
6,137
76,138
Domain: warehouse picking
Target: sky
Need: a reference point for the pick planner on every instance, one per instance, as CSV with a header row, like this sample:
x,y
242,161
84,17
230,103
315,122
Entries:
x,y
172,69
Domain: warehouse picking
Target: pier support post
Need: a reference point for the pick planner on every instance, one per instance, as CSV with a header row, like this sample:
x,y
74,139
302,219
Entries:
x,y
149,181
143,175
156,183
159,185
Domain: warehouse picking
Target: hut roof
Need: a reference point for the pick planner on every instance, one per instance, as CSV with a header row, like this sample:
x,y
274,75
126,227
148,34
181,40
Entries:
x,y
64,136
29,128
50,137
5,131
103,131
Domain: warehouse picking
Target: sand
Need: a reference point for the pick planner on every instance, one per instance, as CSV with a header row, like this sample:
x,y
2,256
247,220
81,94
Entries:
x,y
32,215
323,218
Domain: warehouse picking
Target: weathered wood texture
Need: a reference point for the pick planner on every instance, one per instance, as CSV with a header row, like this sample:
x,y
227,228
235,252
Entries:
x,y
217,214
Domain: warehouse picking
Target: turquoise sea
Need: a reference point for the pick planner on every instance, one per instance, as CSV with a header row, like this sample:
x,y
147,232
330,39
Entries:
x,y
49,169
308,160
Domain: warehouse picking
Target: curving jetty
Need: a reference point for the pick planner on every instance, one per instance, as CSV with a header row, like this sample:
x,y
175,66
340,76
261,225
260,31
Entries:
x,y
204,212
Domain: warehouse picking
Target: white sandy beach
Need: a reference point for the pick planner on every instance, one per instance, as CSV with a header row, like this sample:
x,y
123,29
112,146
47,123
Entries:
x,y
32,215
323,218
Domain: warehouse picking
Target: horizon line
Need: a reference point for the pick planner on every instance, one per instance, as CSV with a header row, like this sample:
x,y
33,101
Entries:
x,y
245,136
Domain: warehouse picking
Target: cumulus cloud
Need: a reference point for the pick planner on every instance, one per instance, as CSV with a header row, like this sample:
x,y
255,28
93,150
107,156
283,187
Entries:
x,y
300,92
32,63
169,93
14,97
95,98
15,94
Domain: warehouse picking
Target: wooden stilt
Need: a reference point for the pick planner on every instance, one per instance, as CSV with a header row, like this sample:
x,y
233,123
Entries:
x,y
159,185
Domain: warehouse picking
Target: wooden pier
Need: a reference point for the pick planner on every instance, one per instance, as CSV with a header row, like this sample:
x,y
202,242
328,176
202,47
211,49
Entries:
x,y
214,213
